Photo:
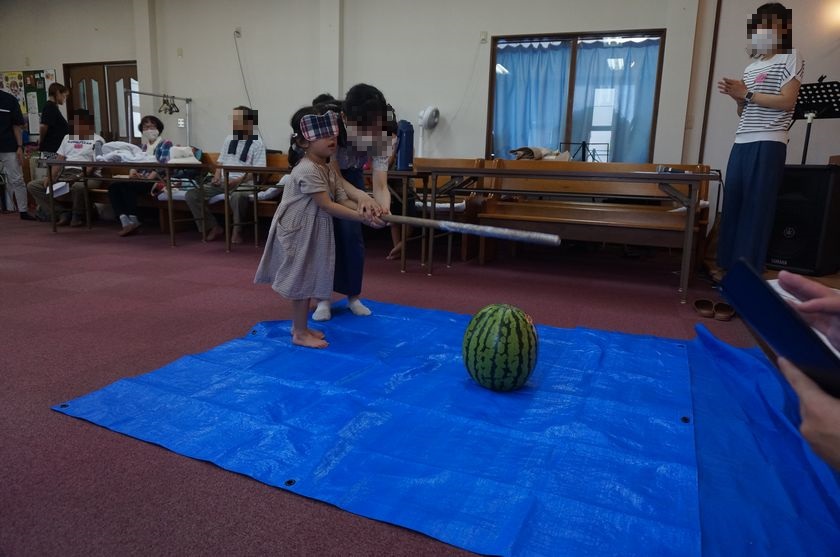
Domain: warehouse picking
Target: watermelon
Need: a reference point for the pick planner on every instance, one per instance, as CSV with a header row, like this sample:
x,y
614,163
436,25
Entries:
x,y
500,347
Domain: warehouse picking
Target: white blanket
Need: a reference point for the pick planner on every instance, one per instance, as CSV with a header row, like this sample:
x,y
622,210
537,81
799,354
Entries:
x,y
120,151
459,207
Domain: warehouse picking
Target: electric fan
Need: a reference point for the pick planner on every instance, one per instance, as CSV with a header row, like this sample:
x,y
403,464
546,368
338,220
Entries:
x,y
429,117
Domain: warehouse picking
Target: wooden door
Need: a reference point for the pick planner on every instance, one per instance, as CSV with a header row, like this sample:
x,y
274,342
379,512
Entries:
x,y
121,78
87,90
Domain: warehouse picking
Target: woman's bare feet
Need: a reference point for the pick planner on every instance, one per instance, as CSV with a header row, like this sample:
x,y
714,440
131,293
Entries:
x,y
394,253
316,333
304,338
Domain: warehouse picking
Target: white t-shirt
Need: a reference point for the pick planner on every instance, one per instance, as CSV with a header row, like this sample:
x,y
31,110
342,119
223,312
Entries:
x,y
74,149
760,123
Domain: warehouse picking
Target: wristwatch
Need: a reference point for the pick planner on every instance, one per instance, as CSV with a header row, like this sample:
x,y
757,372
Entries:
x,y
749,97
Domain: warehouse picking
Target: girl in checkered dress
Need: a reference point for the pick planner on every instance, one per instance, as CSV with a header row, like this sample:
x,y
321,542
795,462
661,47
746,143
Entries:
x,y
299,256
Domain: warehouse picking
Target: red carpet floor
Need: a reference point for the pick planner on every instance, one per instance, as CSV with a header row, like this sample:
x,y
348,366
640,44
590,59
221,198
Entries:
x,y
81,309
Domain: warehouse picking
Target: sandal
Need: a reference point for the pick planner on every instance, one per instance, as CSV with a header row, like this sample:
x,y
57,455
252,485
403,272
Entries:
x,y
723,311
706,308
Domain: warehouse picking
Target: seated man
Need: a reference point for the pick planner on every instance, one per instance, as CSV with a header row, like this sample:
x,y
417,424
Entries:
x,y
243,148
79,146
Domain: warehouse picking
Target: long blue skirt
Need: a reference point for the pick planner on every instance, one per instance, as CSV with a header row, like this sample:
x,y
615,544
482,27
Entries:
x,y
349,246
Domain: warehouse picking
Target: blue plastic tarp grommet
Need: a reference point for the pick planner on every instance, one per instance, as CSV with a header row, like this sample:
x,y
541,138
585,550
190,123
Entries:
x,y
290,482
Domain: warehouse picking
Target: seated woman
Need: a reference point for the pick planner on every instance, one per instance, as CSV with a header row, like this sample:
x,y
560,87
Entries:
x,y
124,195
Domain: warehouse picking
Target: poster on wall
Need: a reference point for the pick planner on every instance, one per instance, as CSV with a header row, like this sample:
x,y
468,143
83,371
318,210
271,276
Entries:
x,y
36,97
30,88
12,83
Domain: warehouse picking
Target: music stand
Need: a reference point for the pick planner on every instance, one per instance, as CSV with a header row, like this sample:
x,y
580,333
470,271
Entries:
x,y
585,150
816,100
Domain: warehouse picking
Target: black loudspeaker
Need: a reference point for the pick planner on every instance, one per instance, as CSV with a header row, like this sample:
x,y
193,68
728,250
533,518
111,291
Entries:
x,y
806,229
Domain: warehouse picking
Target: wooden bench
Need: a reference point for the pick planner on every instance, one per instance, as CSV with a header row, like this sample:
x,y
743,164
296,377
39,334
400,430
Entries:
x,y
615,202
622,212
264,178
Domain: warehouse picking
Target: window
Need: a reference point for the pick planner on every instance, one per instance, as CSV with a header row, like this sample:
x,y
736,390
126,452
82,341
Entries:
x,y
594,96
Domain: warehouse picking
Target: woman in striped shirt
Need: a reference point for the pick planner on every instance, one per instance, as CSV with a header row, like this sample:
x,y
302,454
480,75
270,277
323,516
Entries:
x,y
766,97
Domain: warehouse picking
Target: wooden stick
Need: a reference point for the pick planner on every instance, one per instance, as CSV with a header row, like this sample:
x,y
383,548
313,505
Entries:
x,y
478,230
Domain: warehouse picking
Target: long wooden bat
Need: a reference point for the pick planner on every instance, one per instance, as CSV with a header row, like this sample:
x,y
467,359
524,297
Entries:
x,y
478,230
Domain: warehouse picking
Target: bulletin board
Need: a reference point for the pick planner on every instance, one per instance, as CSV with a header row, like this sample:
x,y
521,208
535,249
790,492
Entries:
x,y
30,88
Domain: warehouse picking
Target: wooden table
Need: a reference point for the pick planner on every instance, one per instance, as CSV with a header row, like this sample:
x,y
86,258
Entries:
x,y
167,179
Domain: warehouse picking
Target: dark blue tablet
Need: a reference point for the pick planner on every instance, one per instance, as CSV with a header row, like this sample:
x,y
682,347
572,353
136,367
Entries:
x,y
781,327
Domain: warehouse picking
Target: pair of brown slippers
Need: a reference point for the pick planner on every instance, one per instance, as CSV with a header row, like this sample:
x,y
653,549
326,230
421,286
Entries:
x,y
714,310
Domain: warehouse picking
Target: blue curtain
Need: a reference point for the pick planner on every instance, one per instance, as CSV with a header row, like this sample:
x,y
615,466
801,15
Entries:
x,y
530,97
630,69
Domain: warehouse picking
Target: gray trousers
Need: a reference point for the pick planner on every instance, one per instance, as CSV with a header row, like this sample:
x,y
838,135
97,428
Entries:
x,y
38,190
15,188
239,204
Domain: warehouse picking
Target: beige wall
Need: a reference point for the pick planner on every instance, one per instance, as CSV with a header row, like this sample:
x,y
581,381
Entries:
x,y
422,53
40,34
418,53
279,51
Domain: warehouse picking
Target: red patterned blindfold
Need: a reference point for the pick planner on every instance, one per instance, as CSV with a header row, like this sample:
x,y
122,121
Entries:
x,y
314,127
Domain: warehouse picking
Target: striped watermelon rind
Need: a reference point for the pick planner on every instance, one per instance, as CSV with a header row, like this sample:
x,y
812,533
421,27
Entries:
x,y
500,347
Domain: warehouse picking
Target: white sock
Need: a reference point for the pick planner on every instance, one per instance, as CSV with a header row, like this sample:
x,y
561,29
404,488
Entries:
x,y
124,220
323,312
133,219
357,307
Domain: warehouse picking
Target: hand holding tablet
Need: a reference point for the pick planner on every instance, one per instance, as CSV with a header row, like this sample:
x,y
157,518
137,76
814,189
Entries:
x,y
784,328
807,362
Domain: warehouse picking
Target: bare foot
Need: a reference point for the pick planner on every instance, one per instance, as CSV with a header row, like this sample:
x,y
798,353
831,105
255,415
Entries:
x,y
394,253
307,340
313,333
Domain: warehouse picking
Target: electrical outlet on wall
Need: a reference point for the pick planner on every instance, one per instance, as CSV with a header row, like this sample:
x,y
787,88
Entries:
x,y
484,35
181,123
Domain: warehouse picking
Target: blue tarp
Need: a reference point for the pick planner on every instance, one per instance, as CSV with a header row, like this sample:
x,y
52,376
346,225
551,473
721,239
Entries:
x,y
595,456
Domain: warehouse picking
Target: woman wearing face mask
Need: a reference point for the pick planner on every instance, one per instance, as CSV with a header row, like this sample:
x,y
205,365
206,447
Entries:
x,y
765,98
124,195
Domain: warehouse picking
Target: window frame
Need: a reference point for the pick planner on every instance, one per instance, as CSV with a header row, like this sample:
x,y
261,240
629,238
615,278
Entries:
x,y
573,38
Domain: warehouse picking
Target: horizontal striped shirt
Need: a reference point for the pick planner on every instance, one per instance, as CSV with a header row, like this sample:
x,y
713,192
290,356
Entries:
x,y
760,123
